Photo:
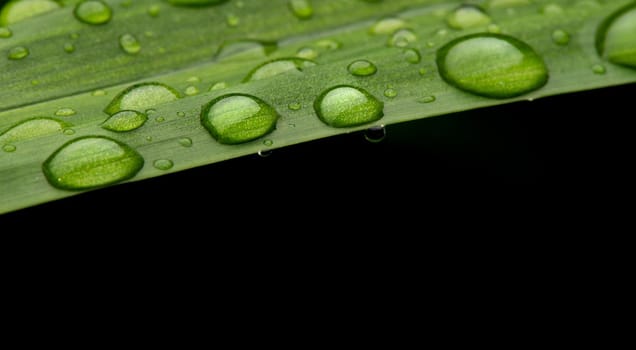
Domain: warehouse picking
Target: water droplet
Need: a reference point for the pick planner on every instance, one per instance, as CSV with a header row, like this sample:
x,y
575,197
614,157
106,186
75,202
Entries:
x,y
422,71
387,25
412,56
5,32
238,118
69,47
390,92
32,128
150,111
191,90
362,68
268,142
69,131
91,161
616,37
427,99
193,79
18,53
93,12
375,134
552,10
154,10
160,119
16,11
9,148
245,48
99,93
65,112
218,86
301,8
467,16
140,97
307,53
598,69
346,106
123,121
402,38
279,66
181,114
129,44
232,20
494,28
328,44
185,142
491,65
294,106
163,164
149,138
560,37
195,2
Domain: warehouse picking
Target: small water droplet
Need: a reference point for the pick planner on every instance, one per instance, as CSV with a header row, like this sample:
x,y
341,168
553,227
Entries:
x,y
163,164
90,162
491,65
154,10
616,37
32,128
69,47
560,37
127,3
5,32
467,16
193,79
294,106
238,118
232,20
245,48
422,71
218,86
375,134
140,97
387,25
402,38
99,93
93,12
18,53
65,112
279,66
328,44
427,99
412,56
185,142
150,111
346,106
9,148
362,68
191,90
390,92
494,28
160,119
124,121
301,8
181,114
129,44
149,138
552,10
598,69
307,53
268,142
68,131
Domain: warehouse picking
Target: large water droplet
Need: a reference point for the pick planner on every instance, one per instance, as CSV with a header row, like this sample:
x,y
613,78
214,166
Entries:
x,y
491,65
5,33
18,53
93,12
301,8
345,106
32,128
279,66
90,162
129,44
238,118
123,121
616,37
195,2
16,11
362,68
467,16
142,96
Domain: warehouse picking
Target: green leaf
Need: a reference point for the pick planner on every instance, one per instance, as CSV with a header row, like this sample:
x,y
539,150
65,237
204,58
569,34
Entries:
x,y
207,53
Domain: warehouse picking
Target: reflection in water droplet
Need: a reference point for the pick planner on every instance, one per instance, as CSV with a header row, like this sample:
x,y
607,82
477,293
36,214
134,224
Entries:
x,y
93,12
238,118
346,106
123,121
163,164
129,44
491,65
301,8
191,90
375,134
18,53
279,66
65,112
616,37
140,97
560,37
362,68
91,161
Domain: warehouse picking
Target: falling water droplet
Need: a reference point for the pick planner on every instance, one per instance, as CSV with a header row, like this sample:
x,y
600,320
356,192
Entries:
x,y
93,12
279,66
491,65
91,161
346,106
560,37
142,96
265,153
375,134
301,8
238,118
616,37
468,16
163,164
18,53
129,44
124,121
362,68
